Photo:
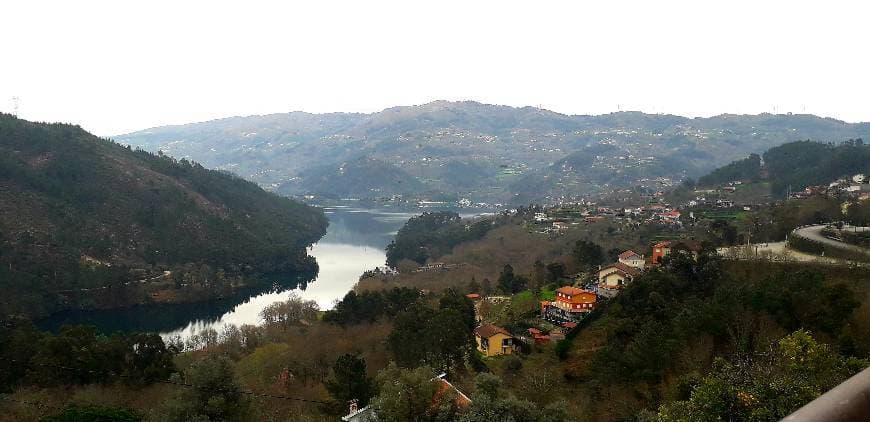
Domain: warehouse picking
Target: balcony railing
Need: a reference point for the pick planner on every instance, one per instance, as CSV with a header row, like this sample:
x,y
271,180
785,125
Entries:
x,y
847,402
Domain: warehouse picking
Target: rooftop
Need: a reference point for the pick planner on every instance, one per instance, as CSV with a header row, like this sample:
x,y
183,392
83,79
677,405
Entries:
x,y
489,330
623,268
570,290
628,254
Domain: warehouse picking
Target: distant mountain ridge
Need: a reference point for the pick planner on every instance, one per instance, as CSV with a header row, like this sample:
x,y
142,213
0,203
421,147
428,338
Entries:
x,y
481,151
79,213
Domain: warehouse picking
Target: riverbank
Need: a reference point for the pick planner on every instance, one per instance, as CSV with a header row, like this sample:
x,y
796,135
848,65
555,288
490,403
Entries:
x,y
354,242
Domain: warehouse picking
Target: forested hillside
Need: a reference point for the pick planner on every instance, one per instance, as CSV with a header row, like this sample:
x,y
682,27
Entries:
x,y
797,164
79,212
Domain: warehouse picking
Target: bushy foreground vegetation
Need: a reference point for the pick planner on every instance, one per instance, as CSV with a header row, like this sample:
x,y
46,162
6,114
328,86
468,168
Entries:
x,y
692,341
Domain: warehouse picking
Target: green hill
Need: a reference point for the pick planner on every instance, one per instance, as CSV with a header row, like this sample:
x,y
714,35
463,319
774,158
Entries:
x,y
79,212
797,164
360,178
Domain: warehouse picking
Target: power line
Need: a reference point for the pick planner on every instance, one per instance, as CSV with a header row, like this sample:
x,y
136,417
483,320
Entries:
x,y
178,383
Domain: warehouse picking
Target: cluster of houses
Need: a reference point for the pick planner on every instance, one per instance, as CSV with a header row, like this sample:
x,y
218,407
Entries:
x,y
558,220
856,187
571,304
438,266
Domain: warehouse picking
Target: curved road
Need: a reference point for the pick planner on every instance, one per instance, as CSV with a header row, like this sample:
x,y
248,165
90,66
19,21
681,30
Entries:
x,y
814,233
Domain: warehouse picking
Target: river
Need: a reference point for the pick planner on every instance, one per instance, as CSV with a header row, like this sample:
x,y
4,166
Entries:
x,y
354,242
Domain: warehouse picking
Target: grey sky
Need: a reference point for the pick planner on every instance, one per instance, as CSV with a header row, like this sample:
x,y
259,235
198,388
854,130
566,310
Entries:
x,y
119,66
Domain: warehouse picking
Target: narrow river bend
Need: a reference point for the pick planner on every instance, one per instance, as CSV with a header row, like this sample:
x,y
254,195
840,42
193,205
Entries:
x,y
354,243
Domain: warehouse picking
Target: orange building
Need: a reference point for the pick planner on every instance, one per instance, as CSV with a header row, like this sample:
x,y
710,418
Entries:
x,y
571,304
663,249
573,299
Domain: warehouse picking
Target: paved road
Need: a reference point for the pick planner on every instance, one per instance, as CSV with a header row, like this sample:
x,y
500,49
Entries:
x,y
814,233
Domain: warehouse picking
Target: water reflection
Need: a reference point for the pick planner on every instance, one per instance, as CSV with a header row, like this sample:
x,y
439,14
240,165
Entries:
x,y
354,242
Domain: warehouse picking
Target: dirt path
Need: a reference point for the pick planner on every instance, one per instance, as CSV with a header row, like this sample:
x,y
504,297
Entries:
x,y
165,274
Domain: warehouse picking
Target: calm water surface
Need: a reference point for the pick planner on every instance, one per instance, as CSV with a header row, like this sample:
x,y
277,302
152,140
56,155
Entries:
x,y
354,242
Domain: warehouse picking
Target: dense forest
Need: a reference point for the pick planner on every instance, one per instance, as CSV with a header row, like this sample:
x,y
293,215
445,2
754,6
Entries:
x,y
433,234
797,165
748,168
79,212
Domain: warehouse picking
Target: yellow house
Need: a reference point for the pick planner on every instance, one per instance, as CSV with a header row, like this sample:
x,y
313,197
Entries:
x,y
493,340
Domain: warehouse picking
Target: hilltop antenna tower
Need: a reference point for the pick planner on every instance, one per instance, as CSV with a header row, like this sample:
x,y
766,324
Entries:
x,y
15,101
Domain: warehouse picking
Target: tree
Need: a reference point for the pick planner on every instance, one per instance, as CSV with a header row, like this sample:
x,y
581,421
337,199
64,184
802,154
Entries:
x,y
587,254
349,381
422,336
451,299
555,271
450,340
214,394
724,234
509,283
147,359
290,312
408,340
473,286
539,274
405,394
758,388
506,279
489,403
486,286
75,413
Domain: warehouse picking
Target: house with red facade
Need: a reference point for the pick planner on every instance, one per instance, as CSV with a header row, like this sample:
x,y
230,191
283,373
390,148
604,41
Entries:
x,y
663,249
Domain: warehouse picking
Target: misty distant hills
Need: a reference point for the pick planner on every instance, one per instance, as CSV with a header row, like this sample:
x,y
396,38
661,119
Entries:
x,y
484,152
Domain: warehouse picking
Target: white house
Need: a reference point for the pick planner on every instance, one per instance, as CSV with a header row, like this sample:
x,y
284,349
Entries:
x,y
632,259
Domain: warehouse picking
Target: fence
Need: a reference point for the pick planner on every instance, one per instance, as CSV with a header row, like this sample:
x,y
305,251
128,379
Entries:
x,y
847,402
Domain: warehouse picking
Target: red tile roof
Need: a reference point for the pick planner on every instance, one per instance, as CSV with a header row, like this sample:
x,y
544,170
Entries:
x,y
473,296
570,291
625,269
460,399
628,254
489,330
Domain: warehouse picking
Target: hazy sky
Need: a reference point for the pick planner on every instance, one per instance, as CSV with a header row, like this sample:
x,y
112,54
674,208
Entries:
x,y
118,66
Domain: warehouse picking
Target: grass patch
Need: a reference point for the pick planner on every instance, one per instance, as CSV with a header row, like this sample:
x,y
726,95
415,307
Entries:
x,y
547,295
